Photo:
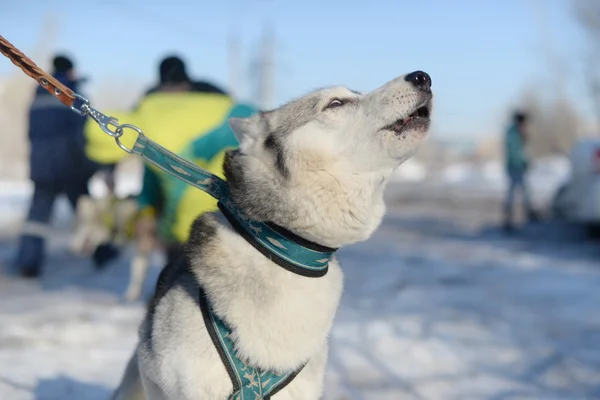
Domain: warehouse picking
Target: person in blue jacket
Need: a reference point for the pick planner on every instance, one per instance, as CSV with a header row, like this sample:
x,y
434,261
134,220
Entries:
x,y
517,164
58,164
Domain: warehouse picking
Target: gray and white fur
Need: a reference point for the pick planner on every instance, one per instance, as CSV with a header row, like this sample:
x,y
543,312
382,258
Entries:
x,y
316,166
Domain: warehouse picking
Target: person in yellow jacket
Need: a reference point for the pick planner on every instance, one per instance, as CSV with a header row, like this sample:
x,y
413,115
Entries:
x,y
190,119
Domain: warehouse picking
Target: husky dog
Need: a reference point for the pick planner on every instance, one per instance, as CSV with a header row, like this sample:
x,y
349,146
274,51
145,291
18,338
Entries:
x,y
100,220
317,167
145,243
108,220
90,229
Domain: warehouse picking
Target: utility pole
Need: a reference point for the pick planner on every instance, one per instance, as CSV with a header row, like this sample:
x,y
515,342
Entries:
x,y
234,60
268,75
234,57
263,70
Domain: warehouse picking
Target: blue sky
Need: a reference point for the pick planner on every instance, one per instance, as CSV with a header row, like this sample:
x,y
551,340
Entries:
x,y
480,53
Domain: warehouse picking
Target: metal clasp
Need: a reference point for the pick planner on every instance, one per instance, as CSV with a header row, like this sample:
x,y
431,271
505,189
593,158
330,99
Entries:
x,y
106,122
120,129
83,108
103,120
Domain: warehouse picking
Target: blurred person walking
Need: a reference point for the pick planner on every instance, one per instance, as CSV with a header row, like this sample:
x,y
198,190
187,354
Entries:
x,y
193,109
58,164
517,165
188,117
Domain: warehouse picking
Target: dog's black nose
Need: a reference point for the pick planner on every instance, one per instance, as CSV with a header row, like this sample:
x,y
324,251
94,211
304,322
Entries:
x,y
420,79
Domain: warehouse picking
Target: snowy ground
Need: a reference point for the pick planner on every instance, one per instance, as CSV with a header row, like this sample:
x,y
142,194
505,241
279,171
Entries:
x,y
438,305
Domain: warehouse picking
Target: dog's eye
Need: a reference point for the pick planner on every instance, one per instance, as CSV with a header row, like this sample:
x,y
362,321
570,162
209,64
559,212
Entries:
x,y
335,103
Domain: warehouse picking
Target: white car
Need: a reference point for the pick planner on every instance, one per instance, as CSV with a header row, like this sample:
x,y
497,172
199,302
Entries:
x,y
578,200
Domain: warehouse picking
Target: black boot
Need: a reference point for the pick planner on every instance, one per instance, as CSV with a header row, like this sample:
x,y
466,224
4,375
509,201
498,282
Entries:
x,y
533,216
508,227
30,272
104,253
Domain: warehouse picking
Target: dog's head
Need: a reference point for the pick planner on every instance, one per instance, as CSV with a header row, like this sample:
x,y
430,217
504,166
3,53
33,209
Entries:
x,y
317,165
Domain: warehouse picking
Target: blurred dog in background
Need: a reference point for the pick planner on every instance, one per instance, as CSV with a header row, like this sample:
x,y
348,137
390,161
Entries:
x,y
107,224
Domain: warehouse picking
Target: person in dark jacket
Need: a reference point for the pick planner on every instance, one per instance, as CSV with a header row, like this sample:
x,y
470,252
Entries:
x,y
58,165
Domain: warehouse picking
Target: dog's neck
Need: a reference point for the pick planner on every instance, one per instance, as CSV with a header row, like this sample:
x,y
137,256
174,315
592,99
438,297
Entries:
x,y
284,248
329,206
339,210
266,307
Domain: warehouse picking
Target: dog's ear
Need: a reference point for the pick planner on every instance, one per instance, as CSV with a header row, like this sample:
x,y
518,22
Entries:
x,y
245,129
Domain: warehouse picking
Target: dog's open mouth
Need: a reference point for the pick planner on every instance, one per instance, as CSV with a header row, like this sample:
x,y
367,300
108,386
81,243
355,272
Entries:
x,y
418,120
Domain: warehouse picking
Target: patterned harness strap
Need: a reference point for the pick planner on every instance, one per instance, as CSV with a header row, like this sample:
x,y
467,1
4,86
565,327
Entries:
x,y
284,248
249,383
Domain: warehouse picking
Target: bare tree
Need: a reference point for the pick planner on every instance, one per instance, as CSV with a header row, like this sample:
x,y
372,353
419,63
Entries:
x,y
532,103
587,13
554,123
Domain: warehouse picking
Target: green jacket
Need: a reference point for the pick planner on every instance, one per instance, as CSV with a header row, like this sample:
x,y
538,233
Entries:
x,y
516,159
177,203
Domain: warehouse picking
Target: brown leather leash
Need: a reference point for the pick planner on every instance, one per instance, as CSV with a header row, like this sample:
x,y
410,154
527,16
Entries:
x,y
77,103
280,248
54,87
